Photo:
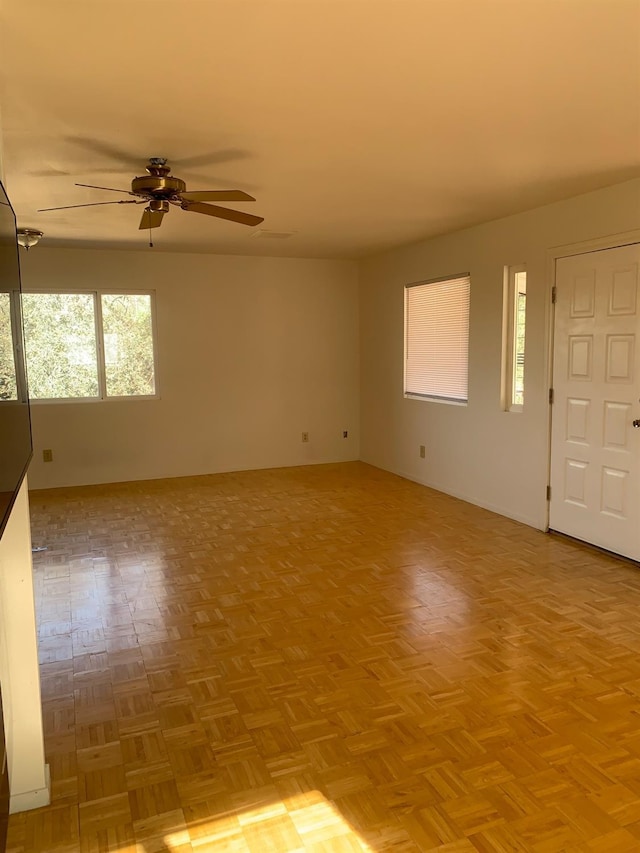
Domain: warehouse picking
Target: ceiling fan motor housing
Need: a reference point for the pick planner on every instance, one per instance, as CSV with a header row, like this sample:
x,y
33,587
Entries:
x,y
158,186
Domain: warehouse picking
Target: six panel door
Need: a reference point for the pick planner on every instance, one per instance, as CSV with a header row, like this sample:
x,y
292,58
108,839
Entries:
x,y
595,449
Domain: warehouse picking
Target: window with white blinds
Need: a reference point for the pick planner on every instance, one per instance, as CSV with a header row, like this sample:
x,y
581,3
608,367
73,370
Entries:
x,y
437,339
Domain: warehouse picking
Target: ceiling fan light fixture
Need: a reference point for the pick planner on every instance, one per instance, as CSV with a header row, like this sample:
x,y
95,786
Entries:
x,y
28,237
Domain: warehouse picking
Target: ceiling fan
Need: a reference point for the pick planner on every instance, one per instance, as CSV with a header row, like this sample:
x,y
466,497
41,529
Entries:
x,y
158,189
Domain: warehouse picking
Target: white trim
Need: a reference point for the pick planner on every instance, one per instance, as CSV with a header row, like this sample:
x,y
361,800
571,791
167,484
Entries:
x,y
89,290
65,401
15,324
99,333
554,253
425,398
28,800
15,311
438,279
596,244
506,512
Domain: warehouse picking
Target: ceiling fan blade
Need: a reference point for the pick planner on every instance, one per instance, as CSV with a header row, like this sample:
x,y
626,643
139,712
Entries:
x,y
222,213
51,172
92,204
208,180
217,195
111,189
99,146
221,156
151,219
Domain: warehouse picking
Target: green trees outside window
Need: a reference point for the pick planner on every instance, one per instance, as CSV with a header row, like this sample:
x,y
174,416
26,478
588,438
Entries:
x,y
84,345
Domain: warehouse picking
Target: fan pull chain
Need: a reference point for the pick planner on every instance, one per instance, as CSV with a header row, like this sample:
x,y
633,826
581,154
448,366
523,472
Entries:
x,y
150,240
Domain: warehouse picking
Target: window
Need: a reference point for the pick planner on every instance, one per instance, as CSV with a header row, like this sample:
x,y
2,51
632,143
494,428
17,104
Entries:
x,y
437,339
8,374
89,346
515,316
12,384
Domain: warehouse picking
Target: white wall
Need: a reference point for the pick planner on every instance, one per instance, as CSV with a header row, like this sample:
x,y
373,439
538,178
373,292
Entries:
x,y
28,776
252,352
487,456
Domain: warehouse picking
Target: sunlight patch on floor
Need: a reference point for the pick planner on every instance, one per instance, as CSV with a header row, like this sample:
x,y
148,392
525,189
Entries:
x,y
290,826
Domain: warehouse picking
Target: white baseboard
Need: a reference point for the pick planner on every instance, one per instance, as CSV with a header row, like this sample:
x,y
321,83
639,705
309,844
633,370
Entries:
x,y
499,510
28,800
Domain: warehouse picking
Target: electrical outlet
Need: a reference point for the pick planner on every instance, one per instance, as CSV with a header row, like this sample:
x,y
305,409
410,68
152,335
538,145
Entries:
x,y
345,433
305,437
422,451
47,455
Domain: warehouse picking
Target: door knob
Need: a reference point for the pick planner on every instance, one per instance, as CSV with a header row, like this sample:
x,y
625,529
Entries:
x,y
636,423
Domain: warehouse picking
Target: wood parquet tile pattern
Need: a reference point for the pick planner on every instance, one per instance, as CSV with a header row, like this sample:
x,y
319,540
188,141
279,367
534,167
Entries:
x,y
324,659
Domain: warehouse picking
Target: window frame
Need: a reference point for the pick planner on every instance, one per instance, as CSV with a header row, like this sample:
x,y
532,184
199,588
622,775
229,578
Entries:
x,y
436,398
97,294
510,325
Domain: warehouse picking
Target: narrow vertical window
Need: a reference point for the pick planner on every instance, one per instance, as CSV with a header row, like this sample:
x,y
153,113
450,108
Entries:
x,y
8,375
516,311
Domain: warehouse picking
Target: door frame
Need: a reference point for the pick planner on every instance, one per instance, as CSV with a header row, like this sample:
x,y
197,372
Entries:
x,y
584,247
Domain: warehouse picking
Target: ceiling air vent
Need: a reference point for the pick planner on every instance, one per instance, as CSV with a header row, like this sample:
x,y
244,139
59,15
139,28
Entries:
x,y
264,234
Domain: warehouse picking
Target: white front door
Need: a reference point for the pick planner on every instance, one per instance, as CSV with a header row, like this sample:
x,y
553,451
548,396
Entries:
x,y
595,448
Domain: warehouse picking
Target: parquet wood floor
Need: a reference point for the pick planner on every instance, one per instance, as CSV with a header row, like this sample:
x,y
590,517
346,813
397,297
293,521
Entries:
x,y
328,659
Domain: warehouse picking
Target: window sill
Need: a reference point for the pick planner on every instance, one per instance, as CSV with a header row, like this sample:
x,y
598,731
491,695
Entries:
x,y
65,401
443,400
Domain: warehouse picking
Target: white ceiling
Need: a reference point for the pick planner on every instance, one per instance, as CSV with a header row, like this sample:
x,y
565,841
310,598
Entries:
x,y
358,124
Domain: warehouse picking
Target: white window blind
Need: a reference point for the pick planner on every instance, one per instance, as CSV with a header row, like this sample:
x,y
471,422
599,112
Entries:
x,y
437,339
